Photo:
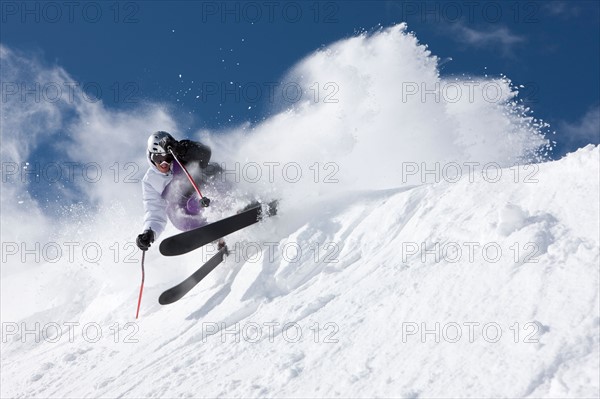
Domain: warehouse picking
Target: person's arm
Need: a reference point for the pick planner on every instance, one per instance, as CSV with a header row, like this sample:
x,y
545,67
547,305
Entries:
x,y
188,151
155,209
155,214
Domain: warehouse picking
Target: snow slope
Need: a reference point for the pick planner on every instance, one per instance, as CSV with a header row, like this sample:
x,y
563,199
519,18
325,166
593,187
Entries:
x,y
297,326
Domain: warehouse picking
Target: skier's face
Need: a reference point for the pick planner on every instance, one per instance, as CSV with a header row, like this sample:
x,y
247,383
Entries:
x,y
163,167
162,162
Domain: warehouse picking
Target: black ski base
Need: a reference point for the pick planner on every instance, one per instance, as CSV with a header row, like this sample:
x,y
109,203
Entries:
x,y
176,293
187,241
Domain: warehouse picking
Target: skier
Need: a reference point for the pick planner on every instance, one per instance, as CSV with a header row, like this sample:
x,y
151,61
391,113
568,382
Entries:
x,y
167,191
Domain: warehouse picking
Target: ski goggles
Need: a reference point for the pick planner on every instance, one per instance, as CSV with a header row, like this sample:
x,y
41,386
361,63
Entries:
x,y
160,158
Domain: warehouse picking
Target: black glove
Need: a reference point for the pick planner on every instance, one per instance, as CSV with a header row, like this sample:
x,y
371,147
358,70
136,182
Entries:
x,y
144,240
169,142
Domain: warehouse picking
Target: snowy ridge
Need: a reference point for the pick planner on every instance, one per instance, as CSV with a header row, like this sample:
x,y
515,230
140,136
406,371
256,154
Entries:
x,y
356,313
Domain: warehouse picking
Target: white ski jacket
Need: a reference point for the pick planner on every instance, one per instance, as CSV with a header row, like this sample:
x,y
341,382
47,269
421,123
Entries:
x,y
155,182
153,185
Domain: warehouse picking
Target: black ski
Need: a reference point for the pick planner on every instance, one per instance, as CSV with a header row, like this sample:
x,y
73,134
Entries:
x,y
187,241
176,293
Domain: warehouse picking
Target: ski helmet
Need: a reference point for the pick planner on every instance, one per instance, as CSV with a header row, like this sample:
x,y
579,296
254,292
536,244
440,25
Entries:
x,y
153,142
156,153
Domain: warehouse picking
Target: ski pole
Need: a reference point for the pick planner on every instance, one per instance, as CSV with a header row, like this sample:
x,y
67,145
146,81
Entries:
x,y
204,201
141,287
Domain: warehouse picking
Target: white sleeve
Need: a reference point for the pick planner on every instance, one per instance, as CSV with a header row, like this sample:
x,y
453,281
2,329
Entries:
x,y
155,207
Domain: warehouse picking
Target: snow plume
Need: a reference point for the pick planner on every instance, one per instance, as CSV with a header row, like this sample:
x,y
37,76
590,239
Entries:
x,y
47,117
371,107
71,172
22,128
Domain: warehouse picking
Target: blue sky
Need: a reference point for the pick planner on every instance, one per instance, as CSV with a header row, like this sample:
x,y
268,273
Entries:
x,y
178,53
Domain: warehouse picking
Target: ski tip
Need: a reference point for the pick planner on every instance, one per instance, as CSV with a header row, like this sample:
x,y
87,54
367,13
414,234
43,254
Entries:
x,y
164,248
166,298
172,246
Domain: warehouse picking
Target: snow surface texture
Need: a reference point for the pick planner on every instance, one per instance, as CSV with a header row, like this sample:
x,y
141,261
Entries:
x,y
383,284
